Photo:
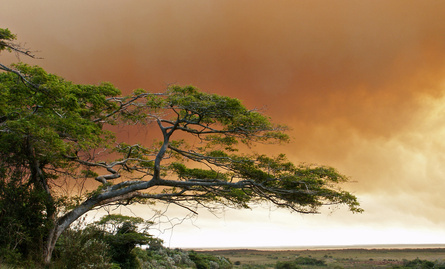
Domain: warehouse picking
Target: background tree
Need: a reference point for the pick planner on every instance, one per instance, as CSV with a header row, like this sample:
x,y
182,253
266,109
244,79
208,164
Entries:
x,y
82,247
104,243
123,234
55,133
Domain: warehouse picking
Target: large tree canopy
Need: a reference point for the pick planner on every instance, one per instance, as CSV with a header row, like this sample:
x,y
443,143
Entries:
x,y
55,132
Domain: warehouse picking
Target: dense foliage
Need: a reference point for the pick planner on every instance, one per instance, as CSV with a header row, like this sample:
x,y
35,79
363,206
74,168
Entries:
x,y
23,224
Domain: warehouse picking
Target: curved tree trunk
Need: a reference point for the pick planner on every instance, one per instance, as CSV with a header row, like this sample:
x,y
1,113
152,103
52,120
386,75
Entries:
x,y
61,224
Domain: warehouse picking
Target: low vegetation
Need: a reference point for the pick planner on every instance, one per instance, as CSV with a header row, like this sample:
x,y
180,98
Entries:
x,y
115,242
118,241
335,258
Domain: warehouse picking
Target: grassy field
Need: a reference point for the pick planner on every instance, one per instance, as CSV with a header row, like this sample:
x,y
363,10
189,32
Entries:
x,y
334,258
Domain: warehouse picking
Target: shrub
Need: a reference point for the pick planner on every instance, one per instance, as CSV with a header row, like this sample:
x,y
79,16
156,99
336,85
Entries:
x,y
206,261
82,249
309,261
299,261
420,264
163,258
286,265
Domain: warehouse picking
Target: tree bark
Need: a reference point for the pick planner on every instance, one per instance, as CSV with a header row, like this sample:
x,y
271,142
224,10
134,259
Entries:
x,y
50,245
61,224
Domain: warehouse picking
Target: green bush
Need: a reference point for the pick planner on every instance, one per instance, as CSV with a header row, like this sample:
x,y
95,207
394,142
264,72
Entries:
x,y
417,263
309,261
82,249
163,258
207,261
286,265
9,256
299,261
420,264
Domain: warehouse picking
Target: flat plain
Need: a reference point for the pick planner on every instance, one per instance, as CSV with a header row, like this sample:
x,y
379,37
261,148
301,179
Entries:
x,y
333,257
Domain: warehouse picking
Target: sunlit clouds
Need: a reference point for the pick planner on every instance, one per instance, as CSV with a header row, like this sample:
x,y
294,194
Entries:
x,y
360,83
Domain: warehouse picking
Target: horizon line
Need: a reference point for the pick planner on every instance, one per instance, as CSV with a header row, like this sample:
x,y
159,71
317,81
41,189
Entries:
x,y
325,247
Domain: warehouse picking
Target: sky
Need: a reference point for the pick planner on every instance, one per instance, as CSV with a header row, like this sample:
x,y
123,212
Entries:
x,y
360,83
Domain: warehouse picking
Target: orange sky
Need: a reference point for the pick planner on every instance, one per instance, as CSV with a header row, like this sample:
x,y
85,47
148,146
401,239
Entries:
x,y
360,83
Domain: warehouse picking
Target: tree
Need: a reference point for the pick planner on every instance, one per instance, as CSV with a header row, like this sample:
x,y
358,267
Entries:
x,y
23,224
54,132
82,247
102,243
123,234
